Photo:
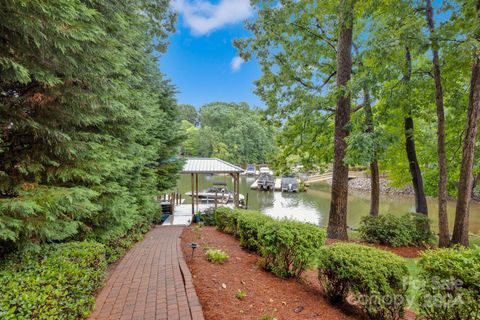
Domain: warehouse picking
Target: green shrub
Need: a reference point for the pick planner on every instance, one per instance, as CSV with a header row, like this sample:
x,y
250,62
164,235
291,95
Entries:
x,y
290,247
207,217
226,220
216,256
57,282
420,230
450,284
376,279
406,230
248,225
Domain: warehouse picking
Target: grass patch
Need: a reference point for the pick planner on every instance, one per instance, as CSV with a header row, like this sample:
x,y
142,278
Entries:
x,y
217,256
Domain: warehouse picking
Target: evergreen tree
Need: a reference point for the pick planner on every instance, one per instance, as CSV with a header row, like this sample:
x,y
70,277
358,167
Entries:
x,y
88,122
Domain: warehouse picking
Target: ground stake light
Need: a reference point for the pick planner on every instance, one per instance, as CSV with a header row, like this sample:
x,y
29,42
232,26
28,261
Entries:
x,y
194,246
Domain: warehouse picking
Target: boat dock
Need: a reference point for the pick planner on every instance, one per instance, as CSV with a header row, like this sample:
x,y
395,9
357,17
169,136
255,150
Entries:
x,y
328,176
182,213
278,184
312,179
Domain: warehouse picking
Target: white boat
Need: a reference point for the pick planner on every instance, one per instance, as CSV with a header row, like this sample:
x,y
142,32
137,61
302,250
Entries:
x,y
266,170
218,191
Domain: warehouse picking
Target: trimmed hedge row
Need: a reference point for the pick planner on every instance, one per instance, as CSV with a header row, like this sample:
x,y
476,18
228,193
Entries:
x,y
450,284
374,278
57,282
408,230
288,247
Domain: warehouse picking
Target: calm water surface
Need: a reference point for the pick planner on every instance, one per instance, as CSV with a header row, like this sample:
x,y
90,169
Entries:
x,y
313,206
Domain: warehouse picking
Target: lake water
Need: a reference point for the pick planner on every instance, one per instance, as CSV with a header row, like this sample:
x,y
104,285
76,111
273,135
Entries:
x,y
313,206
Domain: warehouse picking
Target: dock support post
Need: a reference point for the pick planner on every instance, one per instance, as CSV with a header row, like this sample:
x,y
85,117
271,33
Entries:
x,y
193,197
196,186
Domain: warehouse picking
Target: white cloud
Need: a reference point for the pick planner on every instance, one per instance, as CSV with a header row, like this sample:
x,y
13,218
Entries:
x,y
202,17
236,63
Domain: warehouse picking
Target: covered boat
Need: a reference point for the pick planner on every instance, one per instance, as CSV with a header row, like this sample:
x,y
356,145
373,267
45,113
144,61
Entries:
x,y
250,171
289,184
266,181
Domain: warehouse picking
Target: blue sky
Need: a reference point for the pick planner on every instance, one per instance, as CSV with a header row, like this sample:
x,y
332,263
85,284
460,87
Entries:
x,y
201,60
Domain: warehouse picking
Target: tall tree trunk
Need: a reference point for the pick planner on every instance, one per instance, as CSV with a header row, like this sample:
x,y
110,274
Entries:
x,y
374,174
337,221
415,172
444,237
460,230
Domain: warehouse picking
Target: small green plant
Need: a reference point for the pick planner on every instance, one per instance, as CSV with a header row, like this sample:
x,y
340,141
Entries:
x,y
241,294
217,256
267,318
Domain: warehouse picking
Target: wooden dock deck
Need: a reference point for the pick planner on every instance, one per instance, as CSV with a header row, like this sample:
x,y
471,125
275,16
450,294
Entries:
x,y
182,213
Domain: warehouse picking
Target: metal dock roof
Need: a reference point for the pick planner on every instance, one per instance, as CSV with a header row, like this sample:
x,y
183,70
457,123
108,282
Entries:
x,y
209,165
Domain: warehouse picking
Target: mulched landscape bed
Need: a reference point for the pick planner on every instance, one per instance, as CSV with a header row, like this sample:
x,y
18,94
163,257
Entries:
x,y
267,295
216,285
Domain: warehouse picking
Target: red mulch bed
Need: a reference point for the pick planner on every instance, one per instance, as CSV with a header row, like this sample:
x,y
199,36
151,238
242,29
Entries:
x,y
267,295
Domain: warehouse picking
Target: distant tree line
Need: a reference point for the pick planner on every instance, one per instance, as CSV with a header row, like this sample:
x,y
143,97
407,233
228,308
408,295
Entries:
x,y
230,131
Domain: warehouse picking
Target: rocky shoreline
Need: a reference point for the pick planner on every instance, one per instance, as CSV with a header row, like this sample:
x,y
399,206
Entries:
x,y
363,184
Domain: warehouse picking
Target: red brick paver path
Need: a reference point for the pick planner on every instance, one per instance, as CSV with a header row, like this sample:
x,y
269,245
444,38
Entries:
x,y
152,281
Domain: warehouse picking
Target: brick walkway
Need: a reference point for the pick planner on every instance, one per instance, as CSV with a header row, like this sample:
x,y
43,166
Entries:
x,y
152,281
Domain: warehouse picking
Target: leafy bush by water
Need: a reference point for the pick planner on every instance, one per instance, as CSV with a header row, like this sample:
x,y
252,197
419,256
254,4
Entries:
x,y
451,284
249,226
57,282
375,278
406,230
290,247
